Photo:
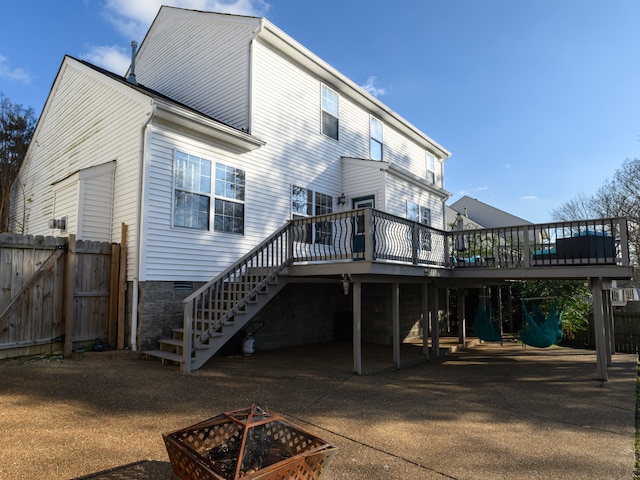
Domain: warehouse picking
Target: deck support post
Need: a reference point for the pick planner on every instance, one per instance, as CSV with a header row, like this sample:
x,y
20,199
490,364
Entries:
x,y
357,328
610,326
395,306
462,317
435,321
600,327
425,320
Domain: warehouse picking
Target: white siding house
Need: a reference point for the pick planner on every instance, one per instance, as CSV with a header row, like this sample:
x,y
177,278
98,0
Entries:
x,y
229,121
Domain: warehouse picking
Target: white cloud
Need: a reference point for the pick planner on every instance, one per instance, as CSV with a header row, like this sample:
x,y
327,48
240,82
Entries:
x,y
372,89
529,197
507,166
133,19
11,73
471,191
115,59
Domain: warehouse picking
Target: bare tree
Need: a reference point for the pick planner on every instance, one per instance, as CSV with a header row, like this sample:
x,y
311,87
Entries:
x,y
17,125
620,197
578,208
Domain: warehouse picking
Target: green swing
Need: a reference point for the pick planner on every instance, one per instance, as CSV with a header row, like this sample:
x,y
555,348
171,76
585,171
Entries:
x,y
485,325
538,330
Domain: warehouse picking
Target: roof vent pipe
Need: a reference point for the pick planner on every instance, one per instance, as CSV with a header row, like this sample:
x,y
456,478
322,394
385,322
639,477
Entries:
x,y
132,70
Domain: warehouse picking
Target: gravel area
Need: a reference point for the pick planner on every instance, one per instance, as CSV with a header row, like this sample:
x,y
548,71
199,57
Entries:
x,y
489,412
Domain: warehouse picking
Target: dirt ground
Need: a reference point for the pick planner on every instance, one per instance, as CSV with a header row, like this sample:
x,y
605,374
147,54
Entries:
x,y
487,413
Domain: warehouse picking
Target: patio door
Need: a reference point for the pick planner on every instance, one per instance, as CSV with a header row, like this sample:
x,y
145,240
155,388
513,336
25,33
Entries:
x,y
358,228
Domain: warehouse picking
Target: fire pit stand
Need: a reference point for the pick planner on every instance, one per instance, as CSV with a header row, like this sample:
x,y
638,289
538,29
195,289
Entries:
x,y
251,443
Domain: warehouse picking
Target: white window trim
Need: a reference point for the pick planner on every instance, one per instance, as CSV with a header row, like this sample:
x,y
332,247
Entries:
x,y
378,140
212,197
322,110
432,176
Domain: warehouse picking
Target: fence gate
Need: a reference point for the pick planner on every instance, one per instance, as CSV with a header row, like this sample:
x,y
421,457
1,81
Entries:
x,y
56,294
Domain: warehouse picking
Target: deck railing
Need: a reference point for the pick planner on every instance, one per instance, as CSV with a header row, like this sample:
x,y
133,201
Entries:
x,y
584,242
371,235
208,308
368,234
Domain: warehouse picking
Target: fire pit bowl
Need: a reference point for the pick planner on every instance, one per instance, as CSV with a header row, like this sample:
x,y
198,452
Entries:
x,y
251,443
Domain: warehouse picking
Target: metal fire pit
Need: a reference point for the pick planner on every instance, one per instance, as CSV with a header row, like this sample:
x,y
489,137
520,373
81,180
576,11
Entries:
x,y
251,443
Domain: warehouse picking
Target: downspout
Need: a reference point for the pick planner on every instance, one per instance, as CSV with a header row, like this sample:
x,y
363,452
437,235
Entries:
x,y
138,243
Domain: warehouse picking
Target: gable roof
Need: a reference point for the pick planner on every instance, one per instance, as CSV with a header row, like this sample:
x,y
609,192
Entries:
x,y
164,108
170,110
485,214
265,31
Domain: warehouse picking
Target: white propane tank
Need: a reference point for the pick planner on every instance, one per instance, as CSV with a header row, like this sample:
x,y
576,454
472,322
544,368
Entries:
x,y
249,345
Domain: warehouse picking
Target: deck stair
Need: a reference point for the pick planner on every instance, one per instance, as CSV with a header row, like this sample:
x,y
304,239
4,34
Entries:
x,y
214,313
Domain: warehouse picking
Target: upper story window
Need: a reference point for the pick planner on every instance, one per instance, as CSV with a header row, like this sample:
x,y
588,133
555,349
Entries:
x,y
431,168
330,112
375,139
193,201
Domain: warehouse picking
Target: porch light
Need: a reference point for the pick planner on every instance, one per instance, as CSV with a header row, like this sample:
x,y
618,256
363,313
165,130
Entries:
x,y
342,199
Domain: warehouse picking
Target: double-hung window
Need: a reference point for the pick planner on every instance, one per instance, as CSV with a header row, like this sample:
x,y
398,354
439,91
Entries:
x,y
375,139
431,168
305,203
229,208
330,112
193,200
192,196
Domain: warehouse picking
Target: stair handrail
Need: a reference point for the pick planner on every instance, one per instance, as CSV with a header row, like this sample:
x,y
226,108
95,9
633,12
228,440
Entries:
x,y
275,247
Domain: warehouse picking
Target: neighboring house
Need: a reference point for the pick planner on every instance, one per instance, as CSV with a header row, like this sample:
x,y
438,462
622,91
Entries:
x,y
453,217
484,215
225,129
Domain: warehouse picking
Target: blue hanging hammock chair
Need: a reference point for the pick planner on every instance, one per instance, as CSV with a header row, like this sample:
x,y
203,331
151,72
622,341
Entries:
x,y
538,330
485,326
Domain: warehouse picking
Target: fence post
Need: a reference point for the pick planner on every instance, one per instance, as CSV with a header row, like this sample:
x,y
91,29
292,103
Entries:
x,y
122,282
114,295
69,296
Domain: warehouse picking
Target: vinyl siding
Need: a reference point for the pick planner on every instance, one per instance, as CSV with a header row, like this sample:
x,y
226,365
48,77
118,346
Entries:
x,y
174,253
96,206
362,178
400,191
202,60
88,120
66,205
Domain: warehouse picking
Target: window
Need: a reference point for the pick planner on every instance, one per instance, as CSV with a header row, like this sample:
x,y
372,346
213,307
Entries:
x,y
431,168
420,214
301,202
193,199
305,203
229,209
375,134
324,230
330,112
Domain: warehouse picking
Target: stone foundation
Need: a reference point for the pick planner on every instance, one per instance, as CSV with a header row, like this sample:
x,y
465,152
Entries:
x,y
298,315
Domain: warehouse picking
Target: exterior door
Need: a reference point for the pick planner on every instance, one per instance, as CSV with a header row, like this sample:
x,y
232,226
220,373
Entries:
x,y
358,228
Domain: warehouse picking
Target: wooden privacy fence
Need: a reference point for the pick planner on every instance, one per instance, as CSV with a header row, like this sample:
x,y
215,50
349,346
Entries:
x,y
626,327
59,293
